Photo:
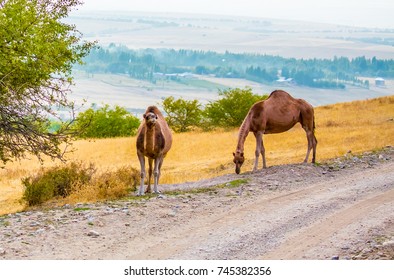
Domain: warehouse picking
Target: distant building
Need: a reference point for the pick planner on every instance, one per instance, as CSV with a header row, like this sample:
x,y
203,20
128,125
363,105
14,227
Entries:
x,y
173,75
284,80
379,82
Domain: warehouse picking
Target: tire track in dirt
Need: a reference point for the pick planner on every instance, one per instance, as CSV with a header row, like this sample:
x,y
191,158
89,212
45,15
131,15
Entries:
x,y
275,222
313,236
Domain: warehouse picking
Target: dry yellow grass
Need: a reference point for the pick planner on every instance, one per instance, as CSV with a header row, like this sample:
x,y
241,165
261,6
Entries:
x,y
357,126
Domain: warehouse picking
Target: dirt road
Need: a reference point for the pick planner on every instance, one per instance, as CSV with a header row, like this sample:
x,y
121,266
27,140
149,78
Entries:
x,y
343,209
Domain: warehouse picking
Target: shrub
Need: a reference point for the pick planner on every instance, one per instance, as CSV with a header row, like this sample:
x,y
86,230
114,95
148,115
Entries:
x,y
36,192
182,114
105,123
55,182
79,181
231,109
116,184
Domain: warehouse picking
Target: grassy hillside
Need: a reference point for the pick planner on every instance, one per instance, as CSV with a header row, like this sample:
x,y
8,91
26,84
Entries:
x,y
355,126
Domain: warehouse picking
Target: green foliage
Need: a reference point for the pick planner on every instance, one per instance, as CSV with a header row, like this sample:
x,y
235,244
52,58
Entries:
x,y
182,114
231,109
57,181
106,122
37,53
79,209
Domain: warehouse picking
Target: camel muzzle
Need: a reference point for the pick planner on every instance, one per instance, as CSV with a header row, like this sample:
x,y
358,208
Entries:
x,y
237,169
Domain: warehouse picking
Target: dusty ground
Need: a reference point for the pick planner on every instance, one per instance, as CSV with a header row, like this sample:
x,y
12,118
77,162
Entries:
x,y
343,209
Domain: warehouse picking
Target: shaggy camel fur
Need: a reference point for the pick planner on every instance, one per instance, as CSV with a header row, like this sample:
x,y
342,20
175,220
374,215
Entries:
x,y
154,140
278,113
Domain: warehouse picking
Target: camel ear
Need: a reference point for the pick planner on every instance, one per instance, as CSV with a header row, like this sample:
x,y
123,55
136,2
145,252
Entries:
x,y
144,115
242,154
233,154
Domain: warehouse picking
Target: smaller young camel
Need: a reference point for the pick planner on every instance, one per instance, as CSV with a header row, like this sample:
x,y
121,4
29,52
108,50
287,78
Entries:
x,y
278,113
154,140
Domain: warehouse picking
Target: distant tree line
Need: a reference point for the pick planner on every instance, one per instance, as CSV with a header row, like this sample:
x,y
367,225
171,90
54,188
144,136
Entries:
x,y
154,64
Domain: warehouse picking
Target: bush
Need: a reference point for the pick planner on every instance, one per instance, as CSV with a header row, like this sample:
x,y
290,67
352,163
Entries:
x,y
116,184
80,181
231,109
182,114
106,123
55,182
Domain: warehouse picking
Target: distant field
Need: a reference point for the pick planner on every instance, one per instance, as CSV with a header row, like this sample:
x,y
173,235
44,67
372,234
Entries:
x,y
357,126
136,95
223,33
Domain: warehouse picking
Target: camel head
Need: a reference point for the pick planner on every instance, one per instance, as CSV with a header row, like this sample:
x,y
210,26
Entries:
x,y
150,119
238,160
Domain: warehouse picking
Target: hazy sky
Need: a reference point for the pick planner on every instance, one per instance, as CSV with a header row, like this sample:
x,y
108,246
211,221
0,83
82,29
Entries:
x,y
367,13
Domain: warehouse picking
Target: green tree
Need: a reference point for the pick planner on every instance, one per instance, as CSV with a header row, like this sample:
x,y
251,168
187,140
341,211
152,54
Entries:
x,y
182,114
37,52
231,109
106,123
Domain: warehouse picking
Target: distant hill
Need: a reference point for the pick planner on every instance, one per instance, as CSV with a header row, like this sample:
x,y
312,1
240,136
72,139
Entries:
x,y
288,39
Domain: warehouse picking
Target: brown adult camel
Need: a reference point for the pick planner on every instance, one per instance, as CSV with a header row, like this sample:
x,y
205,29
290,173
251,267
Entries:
x,y
278,113
154,140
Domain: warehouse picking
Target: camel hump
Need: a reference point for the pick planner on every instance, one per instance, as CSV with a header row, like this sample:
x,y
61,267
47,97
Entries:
x,y
279,94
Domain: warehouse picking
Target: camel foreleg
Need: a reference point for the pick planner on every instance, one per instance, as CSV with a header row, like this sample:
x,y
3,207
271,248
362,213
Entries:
x,y
259,150
148,189
142,164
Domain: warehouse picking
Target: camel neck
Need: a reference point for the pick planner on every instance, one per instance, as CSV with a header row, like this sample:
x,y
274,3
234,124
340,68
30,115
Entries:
x,y
149,138
243,133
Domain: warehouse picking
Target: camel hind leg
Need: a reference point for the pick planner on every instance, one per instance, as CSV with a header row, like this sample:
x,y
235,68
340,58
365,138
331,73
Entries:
x,y
307,120
156,173
312,143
